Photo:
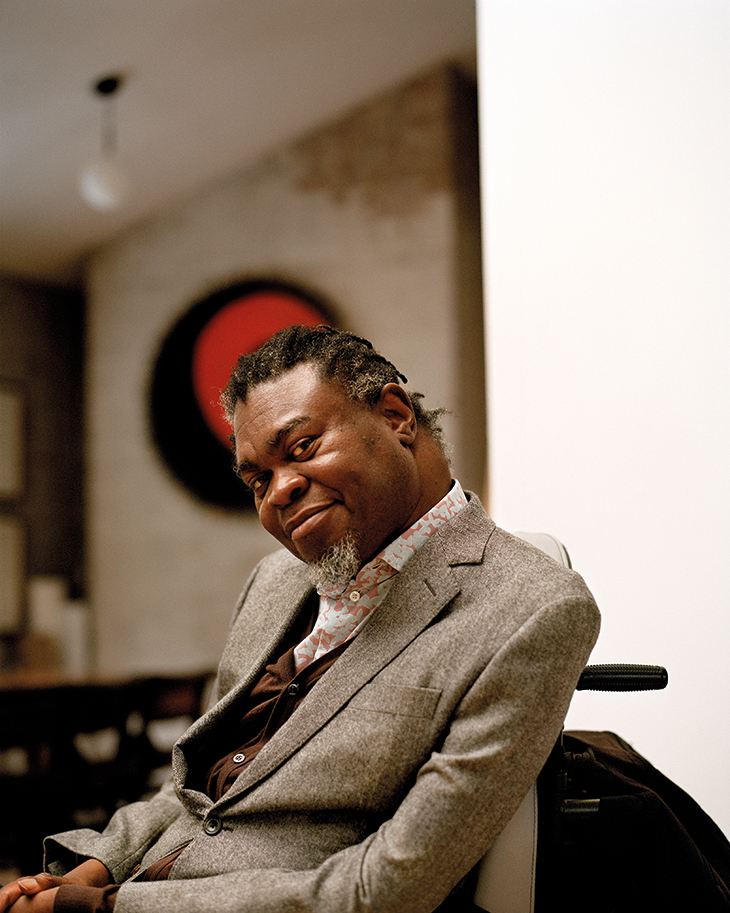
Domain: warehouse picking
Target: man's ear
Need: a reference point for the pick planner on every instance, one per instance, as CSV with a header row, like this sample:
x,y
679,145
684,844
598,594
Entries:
x,y
395,406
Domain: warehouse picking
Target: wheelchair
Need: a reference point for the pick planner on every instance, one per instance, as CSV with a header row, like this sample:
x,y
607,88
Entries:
x,y
524,870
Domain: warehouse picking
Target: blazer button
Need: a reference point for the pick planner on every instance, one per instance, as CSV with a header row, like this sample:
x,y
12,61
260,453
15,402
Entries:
x,y
212,826
293,688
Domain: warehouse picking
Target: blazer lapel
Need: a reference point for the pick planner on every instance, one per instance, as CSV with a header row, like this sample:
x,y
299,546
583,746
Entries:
x,y
421,591
267,622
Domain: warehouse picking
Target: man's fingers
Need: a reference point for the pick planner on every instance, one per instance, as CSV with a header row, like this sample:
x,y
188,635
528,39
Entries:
x,y
42,882
27,885
9,894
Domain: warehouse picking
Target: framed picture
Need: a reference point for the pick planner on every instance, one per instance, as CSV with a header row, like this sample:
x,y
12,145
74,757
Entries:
x,y
12,444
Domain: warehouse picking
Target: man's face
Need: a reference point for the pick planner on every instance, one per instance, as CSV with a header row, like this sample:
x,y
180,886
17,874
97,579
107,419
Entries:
x,y
321,466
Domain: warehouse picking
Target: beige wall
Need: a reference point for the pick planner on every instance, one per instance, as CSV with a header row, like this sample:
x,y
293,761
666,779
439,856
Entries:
x,y
368,213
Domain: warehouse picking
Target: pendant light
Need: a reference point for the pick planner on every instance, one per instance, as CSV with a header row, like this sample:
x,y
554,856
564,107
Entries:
x,y
104,182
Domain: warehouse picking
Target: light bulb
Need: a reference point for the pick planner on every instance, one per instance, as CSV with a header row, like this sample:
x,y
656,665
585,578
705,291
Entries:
x,y
104,184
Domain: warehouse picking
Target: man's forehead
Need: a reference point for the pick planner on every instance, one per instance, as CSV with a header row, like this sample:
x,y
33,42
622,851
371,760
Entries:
x,y
272,422
278,406
299,379
297,387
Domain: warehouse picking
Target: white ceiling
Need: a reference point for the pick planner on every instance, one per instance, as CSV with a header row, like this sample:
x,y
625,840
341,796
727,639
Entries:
x,y
210,85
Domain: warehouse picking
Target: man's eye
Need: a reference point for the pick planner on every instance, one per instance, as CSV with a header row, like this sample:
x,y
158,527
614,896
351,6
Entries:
x,y
301,447
256,484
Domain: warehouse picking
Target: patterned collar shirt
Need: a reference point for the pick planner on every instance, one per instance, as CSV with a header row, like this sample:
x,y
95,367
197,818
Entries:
x,y
345,607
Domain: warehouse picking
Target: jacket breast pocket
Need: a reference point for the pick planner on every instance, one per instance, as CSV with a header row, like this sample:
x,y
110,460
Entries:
x,y
402,700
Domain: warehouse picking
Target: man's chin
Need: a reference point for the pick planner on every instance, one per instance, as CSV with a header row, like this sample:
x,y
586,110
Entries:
x,y
337,564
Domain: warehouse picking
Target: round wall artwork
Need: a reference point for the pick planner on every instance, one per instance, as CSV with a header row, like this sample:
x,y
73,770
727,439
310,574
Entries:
x,y
193,366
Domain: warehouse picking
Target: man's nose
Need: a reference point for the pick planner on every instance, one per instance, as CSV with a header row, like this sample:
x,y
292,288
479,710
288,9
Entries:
x,y
286,485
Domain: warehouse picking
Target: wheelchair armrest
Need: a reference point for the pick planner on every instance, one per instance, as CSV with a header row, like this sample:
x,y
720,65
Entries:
x,y
623,677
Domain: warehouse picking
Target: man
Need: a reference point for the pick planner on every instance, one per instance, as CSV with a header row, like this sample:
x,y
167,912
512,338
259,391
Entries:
x,y
373,737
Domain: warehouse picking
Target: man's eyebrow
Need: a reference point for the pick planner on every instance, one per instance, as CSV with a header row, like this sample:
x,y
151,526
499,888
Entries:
x,y
272,443
244,466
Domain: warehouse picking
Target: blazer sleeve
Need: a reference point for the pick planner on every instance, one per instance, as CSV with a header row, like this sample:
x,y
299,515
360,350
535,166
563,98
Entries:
x,y
498,740
121,846
136,827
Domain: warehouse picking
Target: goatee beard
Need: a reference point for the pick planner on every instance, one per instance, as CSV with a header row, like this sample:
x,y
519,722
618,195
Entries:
x,y
338,564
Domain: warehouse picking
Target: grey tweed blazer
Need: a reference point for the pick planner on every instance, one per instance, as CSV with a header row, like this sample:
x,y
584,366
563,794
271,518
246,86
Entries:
x,y
398,770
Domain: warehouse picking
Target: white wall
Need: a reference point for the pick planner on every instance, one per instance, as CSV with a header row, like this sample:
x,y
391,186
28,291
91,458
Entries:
x,y
605,142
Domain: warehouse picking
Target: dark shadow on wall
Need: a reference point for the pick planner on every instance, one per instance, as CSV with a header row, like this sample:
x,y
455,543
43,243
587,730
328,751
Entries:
x,y
41,356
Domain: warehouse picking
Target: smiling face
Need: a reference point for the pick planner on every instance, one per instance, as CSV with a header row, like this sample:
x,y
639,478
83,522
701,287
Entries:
x,y
321,466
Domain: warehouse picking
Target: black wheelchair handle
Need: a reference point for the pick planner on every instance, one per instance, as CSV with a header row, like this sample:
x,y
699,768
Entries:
x,y
623,677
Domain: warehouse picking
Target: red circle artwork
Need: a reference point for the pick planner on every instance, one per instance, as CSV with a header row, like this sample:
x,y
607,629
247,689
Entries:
x,y
240,327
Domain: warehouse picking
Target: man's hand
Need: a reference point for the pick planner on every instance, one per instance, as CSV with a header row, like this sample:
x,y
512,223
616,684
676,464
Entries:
x,y
37,893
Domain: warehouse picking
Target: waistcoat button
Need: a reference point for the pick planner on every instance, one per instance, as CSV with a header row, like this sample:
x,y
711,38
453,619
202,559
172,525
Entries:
x,y
293,688
239,758
212,826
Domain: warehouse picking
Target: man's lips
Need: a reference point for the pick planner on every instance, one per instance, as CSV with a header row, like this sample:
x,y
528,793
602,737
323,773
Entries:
x,y
304,520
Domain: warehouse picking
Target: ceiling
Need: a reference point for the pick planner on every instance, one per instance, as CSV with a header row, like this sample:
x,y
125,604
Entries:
x,y
209,86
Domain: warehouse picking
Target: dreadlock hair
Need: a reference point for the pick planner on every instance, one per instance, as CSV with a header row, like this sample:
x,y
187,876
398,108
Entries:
x,y
338,355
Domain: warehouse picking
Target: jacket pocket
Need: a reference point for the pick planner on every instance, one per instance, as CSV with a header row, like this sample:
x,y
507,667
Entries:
x,y
397,699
